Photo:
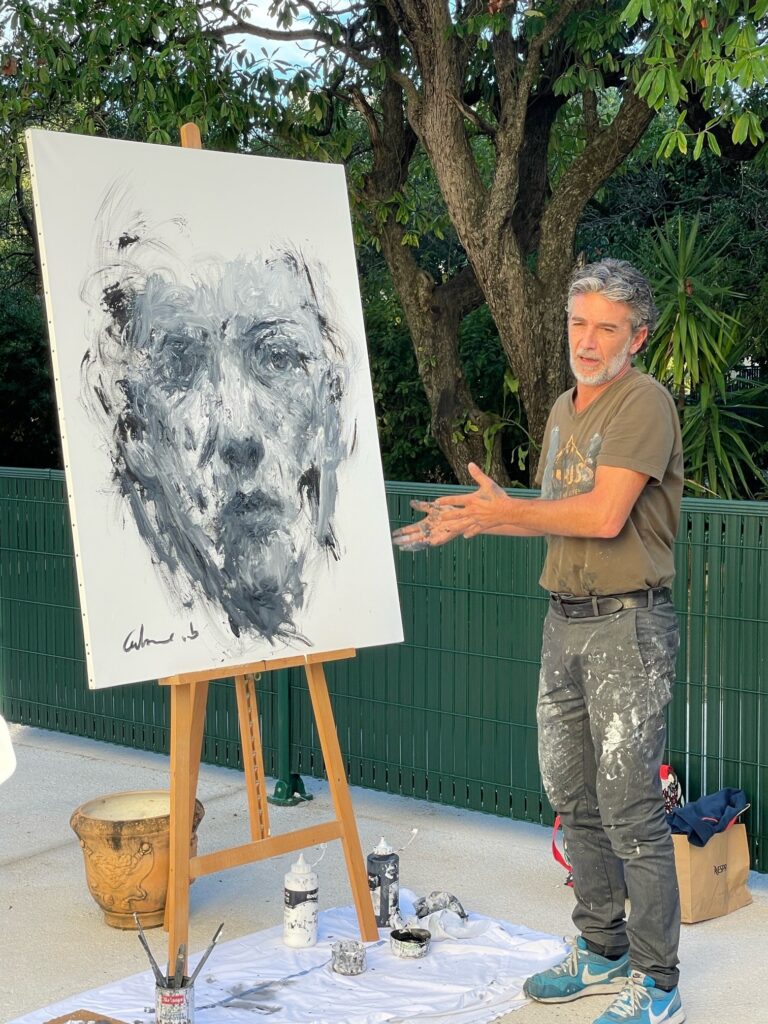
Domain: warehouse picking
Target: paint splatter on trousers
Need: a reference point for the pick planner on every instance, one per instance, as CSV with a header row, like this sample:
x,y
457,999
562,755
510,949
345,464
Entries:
x,y
604,684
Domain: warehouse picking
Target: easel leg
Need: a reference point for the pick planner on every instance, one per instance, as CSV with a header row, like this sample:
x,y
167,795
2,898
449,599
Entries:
x,y
342,802
253,756
188,702
199,703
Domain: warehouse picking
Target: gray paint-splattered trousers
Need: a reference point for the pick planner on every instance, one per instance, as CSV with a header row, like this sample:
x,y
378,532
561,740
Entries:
x,y
605,681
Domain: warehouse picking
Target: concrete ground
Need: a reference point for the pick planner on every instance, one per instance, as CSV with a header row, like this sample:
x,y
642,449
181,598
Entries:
x,y
54,942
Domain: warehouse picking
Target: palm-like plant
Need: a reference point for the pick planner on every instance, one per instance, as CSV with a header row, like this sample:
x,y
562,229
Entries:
x,y
696,351
686,273
720,427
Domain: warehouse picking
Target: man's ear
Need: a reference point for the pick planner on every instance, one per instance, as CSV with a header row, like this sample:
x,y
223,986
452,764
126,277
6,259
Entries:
x,y
639,339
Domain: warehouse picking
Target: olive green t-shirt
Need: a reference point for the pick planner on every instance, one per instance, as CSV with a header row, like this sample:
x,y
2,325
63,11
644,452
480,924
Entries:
x,y
633,424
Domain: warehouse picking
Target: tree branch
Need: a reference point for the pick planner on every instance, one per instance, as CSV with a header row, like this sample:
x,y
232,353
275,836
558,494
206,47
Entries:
x,y
581,180
512,120
531,66
471,115
506,61
460,294
231,22
24,217
367,113
591,121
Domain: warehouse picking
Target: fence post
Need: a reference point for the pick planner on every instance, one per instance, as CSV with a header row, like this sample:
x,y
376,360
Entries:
x,y
289,788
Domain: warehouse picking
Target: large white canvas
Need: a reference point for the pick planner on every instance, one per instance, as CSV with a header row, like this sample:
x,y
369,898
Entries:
x,y
219,434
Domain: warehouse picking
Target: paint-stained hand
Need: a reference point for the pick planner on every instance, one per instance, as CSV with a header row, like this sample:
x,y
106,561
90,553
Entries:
x,y
461,515
429,532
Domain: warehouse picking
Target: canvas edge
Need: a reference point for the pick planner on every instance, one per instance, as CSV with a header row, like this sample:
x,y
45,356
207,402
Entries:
x,y
29,135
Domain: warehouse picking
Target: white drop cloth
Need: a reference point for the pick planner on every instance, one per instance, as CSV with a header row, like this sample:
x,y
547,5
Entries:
x,y
467,981
7,756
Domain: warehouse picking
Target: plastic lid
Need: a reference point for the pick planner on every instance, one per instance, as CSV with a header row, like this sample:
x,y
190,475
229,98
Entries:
x,y
301,867
383,847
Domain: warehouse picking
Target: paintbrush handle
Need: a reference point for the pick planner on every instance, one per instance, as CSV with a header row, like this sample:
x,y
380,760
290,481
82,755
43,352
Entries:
x,y
206,954
161,981
181,956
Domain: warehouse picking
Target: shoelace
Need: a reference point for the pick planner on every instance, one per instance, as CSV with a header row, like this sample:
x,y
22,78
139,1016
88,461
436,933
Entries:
x,y
571,963
634,996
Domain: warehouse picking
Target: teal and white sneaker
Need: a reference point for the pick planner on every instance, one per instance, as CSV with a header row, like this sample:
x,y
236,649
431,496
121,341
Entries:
x,y
642,1002
582,973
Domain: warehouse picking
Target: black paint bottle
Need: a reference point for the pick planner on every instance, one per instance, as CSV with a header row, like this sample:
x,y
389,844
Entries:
x,y
384,882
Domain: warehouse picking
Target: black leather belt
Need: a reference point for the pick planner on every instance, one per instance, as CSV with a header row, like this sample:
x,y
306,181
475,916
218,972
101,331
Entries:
x,y
608,604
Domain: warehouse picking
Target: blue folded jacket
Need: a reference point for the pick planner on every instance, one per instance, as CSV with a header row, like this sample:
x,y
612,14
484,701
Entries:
x,y
713,813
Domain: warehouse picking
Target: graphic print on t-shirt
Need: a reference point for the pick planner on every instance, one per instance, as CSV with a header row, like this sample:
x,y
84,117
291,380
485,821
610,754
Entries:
x,y
568,470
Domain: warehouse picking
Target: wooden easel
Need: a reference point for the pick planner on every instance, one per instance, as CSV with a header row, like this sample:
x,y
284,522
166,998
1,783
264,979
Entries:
x,y
188,700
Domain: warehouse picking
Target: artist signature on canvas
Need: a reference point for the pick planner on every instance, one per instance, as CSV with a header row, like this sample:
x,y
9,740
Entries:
x,y
137,640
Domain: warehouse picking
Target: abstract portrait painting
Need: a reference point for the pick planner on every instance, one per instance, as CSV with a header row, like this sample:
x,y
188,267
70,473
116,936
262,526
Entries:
x,y
217,419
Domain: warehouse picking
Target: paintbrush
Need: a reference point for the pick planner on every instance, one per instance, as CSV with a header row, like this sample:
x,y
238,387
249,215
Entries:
x,y
152,962
178,976
205,955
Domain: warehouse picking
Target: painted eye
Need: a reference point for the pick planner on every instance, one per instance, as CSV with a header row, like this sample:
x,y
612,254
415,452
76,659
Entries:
x,y
280,359
180,360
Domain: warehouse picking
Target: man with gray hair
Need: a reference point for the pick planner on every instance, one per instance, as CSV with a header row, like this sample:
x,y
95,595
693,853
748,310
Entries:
x,y
611,478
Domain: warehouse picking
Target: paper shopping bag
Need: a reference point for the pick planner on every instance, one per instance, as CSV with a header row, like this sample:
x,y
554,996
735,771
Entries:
x,y
712,878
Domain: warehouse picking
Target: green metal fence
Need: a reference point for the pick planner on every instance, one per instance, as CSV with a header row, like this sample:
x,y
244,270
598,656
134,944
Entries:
x,y
450,714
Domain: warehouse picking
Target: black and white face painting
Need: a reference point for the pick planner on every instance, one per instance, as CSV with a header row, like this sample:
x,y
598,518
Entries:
x,y
220,393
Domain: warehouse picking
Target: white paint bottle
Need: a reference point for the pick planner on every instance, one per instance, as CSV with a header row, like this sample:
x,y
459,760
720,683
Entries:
x,y
300,913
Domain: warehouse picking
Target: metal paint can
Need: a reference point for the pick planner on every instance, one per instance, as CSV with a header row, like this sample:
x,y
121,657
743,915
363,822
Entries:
x,y
384,882
175,1005
410,943
348,957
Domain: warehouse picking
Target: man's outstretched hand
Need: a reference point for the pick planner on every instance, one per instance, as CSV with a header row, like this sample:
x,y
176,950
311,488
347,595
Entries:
x,y
460,515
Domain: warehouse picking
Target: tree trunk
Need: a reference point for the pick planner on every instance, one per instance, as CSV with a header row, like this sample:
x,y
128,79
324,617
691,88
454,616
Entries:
x,y
434,313
532,330
493,223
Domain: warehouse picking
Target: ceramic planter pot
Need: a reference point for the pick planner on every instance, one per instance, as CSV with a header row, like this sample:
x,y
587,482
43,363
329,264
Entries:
x,y
125,842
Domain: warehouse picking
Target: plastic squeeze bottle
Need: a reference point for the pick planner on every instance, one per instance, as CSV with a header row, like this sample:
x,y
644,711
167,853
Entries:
x,y
384,882
300,913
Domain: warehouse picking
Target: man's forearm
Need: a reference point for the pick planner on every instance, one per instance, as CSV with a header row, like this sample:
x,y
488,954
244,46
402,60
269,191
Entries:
x,y
514,531
577,516
599,513
582,515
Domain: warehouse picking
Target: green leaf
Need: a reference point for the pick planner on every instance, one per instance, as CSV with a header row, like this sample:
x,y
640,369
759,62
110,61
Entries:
x,y
740,129
631,12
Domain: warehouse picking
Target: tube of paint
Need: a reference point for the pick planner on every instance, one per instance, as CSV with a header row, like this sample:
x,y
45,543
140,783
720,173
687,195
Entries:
x,y
384,882
300,913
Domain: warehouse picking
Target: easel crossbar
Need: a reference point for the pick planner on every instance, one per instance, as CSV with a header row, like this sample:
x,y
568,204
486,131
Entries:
x,y
256,668
274,846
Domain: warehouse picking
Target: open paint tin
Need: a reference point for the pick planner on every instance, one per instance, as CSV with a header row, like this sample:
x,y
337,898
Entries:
x,y
348,957
409,943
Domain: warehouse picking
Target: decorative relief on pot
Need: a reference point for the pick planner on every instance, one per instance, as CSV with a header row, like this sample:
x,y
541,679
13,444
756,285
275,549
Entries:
x,y
125,842
115,877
